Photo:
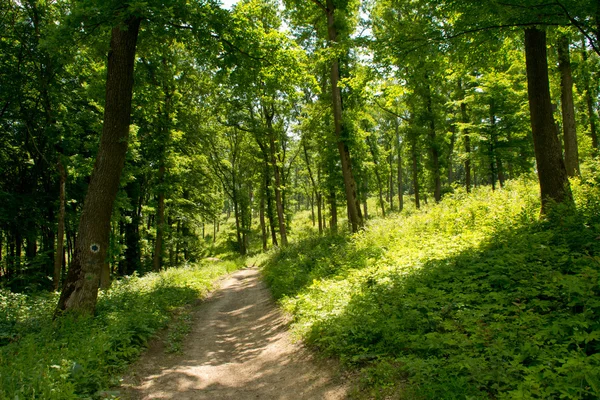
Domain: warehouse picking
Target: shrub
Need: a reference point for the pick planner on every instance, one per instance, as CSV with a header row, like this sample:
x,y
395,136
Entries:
x,y
472,298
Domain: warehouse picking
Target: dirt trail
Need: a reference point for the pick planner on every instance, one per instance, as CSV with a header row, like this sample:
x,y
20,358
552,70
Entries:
x,y
239,348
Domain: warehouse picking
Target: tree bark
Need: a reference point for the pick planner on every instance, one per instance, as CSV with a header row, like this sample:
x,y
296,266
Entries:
x,y
554,183
433,148
160,221
400,185
263,227
588,97
277,174
333,211
354,212
377,176
80,290
415,171
464,118
60,235
568,108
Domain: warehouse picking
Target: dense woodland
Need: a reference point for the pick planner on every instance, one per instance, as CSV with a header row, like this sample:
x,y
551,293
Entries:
x,y
135,134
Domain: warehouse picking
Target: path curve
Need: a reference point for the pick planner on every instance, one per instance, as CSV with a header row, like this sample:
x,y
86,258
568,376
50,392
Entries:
x,y
239,348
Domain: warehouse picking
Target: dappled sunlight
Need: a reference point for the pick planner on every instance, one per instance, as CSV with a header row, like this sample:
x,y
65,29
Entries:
x,y
239,348
483,300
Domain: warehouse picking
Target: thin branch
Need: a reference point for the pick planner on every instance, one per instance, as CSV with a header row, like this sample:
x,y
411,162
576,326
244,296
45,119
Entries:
x,y
578,26
390,111
321,5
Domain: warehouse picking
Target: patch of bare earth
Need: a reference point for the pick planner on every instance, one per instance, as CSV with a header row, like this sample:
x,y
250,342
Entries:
x,y
239,348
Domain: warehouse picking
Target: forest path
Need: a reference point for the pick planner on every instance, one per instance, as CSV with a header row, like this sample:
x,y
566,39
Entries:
x,y
239,348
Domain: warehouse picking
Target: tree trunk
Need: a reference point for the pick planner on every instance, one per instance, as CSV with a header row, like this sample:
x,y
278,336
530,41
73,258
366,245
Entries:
x,y
552,174
415,171
160,222
270,213
568,108
400,185
60,236
354,212
464,118
588,97
333,211
377,176
433,148
451,153
80,290
391,180
263,227
132,261
276,172
492,144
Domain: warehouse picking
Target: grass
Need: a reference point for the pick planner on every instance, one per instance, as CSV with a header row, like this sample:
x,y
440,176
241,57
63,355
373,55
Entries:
x,y
78,358
474,298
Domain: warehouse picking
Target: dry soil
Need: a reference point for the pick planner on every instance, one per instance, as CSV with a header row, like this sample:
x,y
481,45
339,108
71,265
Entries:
x,y
239,348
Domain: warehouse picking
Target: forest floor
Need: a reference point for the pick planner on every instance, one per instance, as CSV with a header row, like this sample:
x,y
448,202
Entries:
x,y
239,348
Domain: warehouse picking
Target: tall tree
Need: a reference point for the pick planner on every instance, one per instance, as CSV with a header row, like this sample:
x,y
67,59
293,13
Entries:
x,y
568,106
552,174
80,289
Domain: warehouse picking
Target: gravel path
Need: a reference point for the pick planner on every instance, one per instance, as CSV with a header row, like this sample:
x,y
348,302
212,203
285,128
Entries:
x,y
239,348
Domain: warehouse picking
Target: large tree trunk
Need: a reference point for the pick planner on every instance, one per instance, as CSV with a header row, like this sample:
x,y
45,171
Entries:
x,y
568,108
60,236
352,201
552,174
80,290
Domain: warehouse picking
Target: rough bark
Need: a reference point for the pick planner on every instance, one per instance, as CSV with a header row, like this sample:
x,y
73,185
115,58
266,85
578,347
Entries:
x,y
80,290
554,183
568,108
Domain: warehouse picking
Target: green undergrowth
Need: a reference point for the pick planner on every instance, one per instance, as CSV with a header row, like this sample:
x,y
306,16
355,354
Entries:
x,y
77,358
474,298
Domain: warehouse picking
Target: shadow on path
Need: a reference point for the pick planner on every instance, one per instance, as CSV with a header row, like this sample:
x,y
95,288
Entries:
x,y
239,348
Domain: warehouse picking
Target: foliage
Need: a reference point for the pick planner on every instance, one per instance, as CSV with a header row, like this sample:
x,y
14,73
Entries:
x,y
472,298
69,358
